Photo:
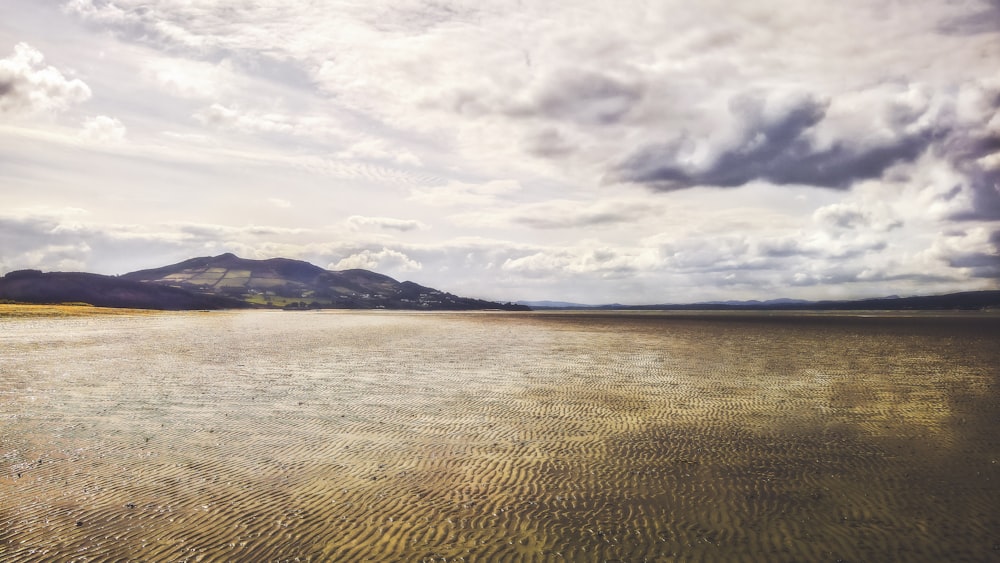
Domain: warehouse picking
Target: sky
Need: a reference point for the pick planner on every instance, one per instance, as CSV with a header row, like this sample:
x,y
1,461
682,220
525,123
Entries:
x,y
587,151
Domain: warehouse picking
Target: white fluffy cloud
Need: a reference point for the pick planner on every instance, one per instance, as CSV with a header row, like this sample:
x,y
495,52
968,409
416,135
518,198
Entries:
x,y
28,86
103,129
385,259
192,79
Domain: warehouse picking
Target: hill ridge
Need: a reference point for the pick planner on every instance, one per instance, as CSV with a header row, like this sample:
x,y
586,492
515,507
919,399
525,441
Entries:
x,y
35,286
965,300
291,283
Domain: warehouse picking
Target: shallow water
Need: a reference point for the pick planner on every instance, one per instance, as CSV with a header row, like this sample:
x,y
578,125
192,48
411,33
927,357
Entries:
x,y
389,436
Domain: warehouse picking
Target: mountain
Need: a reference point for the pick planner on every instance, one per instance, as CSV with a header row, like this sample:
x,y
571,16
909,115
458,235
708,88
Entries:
x,y
33,286
228,281
281,282
967,300
755,303
703,305
556,305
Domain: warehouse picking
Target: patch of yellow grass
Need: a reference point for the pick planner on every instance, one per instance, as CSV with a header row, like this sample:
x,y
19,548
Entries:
x,y
21,310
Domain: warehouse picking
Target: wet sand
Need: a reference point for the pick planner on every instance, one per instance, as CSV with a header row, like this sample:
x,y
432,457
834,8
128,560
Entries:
x,y
492,436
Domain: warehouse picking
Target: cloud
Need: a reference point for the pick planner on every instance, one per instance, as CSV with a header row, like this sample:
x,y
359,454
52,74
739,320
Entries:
x,y
191,78
45,238
103,12
976,251
973,149
28,88
218,115
311,128
59,258
280,203
564,214
986,19
42,238
853,216
587,139
402,225
547,143
465,194
778,143
587,259
588,97
141,19
384,259
102,129
379,149
576,95
695,263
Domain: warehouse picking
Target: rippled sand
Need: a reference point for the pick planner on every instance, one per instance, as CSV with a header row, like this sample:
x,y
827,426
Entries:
x,y
489,436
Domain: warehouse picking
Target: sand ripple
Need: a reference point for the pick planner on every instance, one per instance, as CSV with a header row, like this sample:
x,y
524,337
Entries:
x,y
266,436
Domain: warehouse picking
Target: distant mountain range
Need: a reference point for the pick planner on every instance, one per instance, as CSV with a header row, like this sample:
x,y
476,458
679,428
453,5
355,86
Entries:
x,y
227,281
230,282
968,300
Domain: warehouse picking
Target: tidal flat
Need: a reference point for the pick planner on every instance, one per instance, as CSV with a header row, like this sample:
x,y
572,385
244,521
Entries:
x,y
387,436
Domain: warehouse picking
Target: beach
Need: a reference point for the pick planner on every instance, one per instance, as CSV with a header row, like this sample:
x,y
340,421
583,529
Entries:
x,y
391,436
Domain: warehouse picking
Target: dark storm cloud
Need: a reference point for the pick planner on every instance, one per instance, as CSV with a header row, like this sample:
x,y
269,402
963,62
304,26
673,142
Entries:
x,y
966,148
984,183
985,186
781,149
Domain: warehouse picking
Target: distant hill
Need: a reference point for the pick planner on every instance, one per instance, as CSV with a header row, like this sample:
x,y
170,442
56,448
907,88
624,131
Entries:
x,y
228,281
968,300
556,305
282,282
33,286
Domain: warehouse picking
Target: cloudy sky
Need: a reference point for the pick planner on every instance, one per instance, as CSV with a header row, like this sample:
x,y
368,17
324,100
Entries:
x,y
631,151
